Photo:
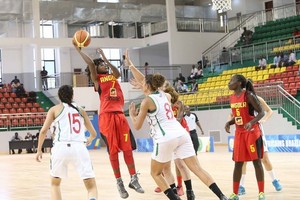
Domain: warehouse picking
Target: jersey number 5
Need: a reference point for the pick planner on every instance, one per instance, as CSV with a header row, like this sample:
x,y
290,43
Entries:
x,y
75,122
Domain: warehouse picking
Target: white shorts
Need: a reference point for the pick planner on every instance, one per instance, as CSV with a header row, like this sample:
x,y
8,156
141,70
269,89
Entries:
x,y
180,147
74,153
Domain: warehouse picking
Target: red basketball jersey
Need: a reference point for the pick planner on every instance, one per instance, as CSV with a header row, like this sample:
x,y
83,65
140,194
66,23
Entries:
x,y
183,121
111,96
240,109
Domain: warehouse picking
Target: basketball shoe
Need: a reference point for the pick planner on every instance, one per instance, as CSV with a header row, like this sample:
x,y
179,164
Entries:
x,y
190,195
261,196
233,196
242,190
134,184
277,185
122,191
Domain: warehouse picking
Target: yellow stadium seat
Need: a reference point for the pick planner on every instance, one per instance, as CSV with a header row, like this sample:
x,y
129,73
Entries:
x,y
265,72
254,73
266,76
282,69
260,72
276,70
259,78
271,71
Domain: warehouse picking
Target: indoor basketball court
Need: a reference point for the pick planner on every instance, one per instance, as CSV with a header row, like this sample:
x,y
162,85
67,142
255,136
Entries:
x,y
23,178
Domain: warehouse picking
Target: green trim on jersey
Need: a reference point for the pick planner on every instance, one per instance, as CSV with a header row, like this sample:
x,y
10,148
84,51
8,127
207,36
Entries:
x,y
156,150
60,112
59,131
153,111
162,130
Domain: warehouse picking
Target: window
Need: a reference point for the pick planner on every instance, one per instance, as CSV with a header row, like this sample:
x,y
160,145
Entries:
x,y
46,29
48,60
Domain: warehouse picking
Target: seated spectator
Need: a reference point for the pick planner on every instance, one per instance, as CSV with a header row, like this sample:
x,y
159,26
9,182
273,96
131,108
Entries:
x,y
284,59
194,86
246,36
262,63
16,137
181,87
193,72
275,61
199,73
15,83
182,78
29,137
20,91
292,58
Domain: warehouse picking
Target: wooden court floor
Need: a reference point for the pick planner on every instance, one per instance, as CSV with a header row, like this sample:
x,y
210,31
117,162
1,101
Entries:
x,y
22,178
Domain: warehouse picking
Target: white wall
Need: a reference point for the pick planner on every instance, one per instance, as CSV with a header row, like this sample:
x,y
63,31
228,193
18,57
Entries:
x,y
187,48
245,7
277,3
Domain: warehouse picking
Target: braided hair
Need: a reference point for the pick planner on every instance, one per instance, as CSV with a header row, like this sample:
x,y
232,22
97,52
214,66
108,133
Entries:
x,y
65,94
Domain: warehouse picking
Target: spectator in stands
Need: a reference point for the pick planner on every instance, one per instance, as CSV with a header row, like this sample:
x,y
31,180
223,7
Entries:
x,y
224,57
292,58
15,83
206,62
44,76
20,91
16,137
284,59
199,72
246,36
193,73
146,67
276,61
194,86
29,137
182,78
124,69
262,63
181,87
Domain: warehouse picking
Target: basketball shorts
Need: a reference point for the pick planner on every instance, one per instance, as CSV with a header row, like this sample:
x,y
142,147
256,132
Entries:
x,y
177,148
115,128
248,145
64,154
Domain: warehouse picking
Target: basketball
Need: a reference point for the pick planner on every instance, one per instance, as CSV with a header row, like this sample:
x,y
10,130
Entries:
x,y
82,38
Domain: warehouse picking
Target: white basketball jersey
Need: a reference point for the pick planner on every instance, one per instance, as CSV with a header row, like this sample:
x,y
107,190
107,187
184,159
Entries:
x,y
163,124
69,125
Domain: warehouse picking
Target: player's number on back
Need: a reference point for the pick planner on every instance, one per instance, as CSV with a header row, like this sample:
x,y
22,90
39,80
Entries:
x,y
169,111
75,122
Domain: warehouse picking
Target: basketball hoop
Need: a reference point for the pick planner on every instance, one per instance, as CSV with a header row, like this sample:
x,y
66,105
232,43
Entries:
x,y
222,5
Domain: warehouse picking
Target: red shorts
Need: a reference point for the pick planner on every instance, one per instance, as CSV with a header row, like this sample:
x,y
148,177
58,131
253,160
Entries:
x,y
115,128
248,145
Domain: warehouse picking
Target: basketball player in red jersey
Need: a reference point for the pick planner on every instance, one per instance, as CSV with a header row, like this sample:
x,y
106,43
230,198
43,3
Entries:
x,y
113,124
248,144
